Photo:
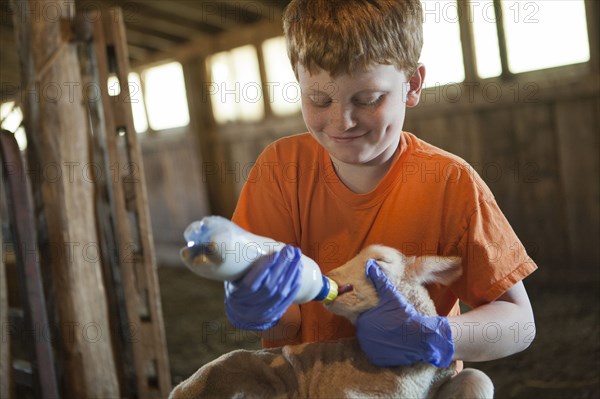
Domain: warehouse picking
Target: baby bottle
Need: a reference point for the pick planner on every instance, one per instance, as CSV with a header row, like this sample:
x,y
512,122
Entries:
x,y
218,249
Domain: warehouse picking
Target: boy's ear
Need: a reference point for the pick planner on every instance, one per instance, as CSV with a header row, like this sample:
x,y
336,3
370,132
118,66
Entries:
x,y
435,269
416,82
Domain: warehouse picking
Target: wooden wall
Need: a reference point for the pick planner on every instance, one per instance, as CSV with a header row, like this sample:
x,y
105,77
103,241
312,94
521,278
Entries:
x,y
533,137
534,141
176,190
538,152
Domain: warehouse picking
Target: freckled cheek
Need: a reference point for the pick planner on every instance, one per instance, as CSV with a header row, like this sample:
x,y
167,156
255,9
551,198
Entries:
x,y
315,121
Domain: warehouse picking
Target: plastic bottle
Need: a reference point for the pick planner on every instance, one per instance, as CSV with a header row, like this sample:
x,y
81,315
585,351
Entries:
x,y
219,249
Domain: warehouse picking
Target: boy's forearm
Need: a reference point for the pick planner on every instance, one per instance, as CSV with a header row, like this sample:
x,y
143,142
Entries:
x,y
492,331
287,329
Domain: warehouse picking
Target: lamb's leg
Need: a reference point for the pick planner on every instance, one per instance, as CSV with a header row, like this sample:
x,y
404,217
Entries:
x,y
468,384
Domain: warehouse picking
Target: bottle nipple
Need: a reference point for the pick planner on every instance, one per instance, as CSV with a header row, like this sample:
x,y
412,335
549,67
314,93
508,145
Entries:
x,y
329,291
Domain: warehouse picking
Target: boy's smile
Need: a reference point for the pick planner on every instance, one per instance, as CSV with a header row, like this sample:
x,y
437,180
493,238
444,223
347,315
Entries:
x,y
357,118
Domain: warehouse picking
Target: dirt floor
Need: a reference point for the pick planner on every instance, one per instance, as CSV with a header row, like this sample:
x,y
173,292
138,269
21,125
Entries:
x,y
562,362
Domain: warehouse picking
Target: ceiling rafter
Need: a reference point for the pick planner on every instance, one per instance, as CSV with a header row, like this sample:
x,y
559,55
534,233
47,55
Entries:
x,y
198,13
162,29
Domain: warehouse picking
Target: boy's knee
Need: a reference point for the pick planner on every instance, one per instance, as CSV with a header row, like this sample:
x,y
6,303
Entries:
x,y
469,383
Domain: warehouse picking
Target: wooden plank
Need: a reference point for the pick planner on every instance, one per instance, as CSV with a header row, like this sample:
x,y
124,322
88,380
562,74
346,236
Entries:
x,y
466,40
455,133
470,147
433,130
202,129
158,43
412,123
123,274
266,98
592,11
498,158
105,208
204,46
142,290
204,14
57,134
176,194
22,227
462,138
502,46
144,15
5,342
242,157
577,142
565,82
537,176
218,175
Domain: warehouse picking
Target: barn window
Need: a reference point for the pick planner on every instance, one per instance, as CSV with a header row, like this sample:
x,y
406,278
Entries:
x,y
508,37
283,89
235,88
114,86
165,95
487,50
532,34
136,99
11,118
442,51
138,108
545,34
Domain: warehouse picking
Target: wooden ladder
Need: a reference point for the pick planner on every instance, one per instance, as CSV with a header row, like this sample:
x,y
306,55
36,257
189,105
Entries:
x,y
124,223
29,323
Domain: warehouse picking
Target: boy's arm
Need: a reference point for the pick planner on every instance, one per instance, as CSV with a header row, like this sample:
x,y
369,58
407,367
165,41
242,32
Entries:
x,y
494,330
394,333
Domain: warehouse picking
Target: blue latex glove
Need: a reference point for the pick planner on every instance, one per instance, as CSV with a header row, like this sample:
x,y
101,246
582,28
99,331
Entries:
x,y
259,299
394,333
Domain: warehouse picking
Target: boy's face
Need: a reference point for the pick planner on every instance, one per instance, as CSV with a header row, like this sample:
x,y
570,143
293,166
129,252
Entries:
x,y
358,118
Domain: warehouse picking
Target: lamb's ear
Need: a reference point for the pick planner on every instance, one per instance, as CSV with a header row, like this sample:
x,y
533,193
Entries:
x,y
435,269
391,261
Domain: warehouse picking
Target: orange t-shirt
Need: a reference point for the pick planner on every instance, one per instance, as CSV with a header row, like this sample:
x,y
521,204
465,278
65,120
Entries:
x,y
429,203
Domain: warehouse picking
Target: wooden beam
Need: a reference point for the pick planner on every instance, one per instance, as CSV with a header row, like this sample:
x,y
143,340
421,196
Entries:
x,y
151,14
592,11
138,53
202,47
204,13
154,42
56,124
130,217
29,278
5,365
266,97
502,46
466,39
265,10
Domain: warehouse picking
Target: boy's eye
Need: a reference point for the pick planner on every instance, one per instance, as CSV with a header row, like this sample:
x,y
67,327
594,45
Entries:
x,y
373,100
320,100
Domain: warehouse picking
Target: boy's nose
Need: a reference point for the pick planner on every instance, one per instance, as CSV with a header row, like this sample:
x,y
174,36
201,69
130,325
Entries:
x,y
342,119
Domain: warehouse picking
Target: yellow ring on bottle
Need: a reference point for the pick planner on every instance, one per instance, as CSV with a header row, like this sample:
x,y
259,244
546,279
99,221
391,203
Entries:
x,y
333,292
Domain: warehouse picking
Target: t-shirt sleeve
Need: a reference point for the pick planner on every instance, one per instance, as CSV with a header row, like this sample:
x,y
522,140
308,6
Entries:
x,y
494,259
262,207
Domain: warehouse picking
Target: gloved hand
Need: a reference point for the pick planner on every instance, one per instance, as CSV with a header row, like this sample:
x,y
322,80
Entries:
x,y
394,333
259,299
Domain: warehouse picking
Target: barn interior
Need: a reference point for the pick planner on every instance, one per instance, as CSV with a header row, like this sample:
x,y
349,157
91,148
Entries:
x,y
135,118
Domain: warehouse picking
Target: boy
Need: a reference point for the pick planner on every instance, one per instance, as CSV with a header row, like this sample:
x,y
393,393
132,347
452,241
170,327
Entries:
x,y
357,179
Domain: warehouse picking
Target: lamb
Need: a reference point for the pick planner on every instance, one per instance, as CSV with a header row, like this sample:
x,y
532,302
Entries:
x,y
339,369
